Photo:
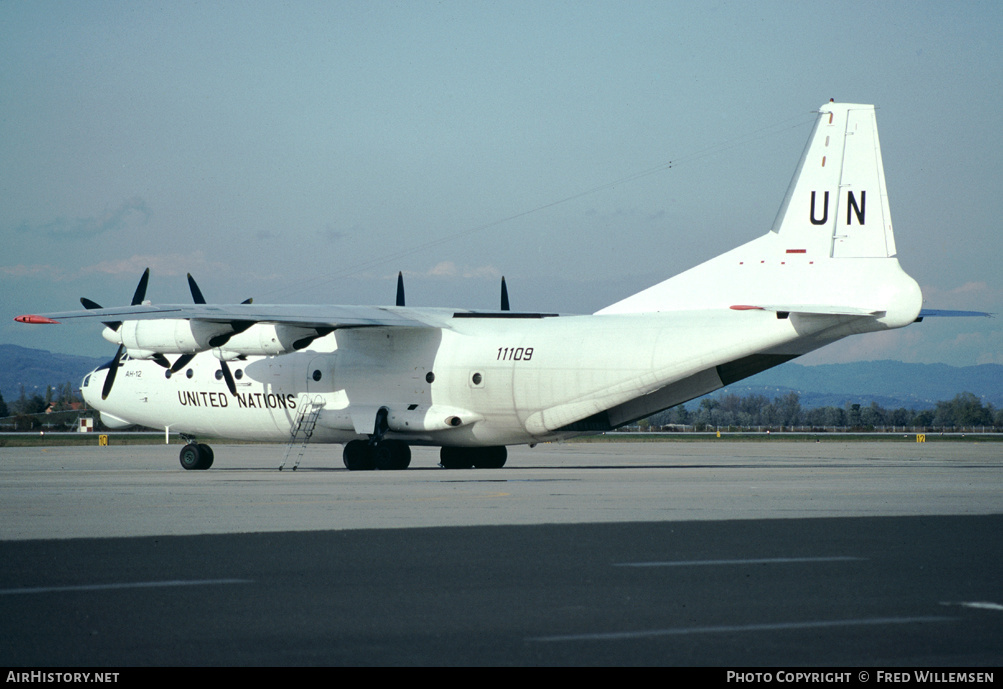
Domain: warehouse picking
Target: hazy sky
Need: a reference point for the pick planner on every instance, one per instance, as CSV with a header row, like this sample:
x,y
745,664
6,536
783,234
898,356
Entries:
x,y
305,152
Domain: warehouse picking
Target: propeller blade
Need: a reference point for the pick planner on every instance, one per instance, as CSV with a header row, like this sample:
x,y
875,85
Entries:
x,y
305,342
400,289
140,294
228,377
504,296
161,360
89,305
196,292
197,295
181,362
238,327
109,379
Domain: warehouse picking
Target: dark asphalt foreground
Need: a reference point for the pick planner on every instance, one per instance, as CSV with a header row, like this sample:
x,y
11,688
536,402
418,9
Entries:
x,y
864,591
709,554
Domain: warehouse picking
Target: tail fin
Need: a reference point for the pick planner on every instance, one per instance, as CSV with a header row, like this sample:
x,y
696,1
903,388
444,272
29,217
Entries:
x,y
837,203
819,257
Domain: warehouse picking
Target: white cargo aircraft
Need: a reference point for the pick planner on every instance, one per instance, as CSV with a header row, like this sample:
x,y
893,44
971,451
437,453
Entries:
x,y
382,378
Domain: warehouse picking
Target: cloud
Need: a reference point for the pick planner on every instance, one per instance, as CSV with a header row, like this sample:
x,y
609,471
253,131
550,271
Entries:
x,y
164,264
972,295
448,269
329,234
131,212
46,271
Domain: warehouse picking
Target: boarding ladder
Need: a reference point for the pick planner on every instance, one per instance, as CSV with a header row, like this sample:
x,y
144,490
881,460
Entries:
x,y
302,429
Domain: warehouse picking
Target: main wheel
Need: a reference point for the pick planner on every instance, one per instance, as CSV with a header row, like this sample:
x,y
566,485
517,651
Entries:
x,y
392,455
358,456
207,455
455,458
490,457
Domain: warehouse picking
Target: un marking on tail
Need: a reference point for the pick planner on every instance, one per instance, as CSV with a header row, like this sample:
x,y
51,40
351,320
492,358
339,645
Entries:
x,y
851,206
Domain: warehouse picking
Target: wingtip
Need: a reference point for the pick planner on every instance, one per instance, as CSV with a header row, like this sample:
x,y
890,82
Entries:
x,y
29,318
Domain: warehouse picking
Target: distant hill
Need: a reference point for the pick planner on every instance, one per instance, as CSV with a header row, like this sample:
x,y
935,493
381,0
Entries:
x,y
37,368
892,384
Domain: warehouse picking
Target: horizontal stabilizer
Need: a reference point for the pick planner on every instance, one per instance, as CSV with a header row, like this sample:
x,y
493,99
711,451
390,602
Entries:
x,y
944,313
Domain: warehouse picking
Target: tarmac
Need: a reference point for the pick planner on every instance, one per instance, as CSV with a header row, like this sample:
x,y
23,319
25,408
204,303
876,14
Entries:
x,y
712,553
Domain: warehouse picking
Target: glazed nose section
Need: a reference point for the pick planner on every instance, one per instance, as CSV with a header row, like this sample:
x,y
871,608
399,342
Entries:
x,y
90,387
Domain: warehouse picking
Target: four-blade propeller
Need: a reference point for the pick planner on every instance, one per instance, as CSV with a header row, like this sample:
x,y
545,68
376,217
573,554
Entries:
x,y
217,341
137,299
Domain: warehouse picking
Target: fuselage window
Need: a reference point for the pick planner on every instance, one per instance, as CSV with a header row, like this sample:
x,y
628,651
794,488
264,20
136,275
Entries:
x,y
189,373
317,374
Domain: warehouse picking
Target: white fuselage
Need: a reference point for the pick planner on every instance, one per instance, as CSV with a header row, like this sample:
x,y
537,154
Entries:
x,y
481,381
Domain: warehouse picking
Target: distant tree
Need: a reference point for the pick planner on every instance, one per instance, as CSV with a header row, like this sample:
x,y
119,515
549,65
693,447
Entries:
x,y
872,416
788,409
29,405
752,409
834,416
824,416
3,407
964,410
899,417
69,395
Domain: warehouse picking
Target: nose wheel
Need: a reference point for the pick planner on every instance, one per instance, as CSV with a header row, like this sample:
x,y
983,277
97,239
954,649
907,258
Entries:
x,y
196,456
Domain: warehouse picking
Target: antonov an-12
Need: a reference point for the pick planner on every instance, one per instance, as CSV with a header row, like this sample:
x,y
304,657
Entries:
x,y
382,378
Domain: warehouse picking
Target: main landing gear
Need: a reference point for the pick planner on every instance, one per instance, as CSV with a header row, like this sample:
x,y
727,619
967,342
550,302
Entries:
x,y
377,453
362,455
386,455
195,456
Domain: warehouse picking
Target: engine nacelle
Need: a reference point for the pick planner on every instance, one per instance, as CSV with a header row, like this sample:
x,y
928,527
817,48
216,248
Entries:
x,y
267,339
144,354
171,336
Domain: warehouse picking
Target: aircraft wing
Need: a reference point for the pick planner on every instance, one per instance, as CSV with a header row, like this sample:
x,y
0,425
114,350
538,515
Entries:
x,y
812,309
302,315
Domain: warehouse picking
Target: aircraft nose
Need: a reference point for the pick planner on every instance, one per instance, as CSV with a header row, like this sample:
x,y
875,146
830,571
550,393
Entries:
x,y
90,388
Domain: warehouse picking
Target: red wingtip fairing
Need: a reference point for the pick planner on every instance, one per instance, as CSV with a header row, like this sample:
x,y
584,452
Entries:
x,y
28,318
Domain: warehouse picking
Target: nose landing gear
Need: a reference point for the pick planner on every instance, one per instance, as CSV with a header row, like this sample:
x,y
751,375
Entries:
x,y
196,456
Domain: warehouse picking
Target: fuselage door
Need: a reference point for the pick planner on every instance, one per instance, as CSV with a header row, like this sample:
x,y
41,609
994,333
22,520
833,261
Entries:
x,y
320,374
